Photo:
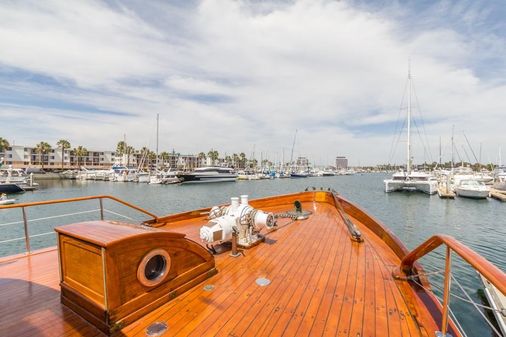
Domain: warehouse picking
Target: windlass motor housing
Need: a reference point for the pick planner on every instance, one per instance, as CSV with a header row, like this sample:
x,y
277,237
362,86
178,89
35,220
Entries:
x,y
239,218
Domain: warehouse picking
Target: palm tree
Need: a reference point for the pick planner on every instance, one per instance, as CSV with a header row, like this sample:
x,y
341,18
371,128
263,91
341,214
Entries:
x,y
165,157
80,152
129,150
4,144
121,148
151,156
235,159
202,157
242,157
63,144
228,160
214,155
42,148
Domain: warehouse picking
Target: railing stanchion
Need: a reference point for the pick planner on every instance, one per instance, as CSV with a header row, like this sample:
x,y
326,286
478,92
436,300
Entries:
x,y
27,236
446,294
101,209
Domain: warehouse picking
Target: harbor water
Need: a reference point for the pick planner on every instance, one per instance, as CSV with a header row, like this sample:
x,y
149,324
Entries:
x,y
413,217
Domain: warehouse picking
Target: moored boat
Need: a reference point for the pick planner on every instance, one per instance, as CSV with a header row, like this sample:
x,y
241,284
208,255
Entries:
x,y
299,174
210,174
6,201
10,188
473,189
497,301
410,179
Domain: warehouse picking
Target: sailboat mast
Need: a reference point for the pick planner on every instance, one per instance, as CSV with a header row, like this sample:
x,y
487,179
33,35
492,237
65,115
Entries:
x,y
293,146
440,152
408,165
282,167
453,131
157,134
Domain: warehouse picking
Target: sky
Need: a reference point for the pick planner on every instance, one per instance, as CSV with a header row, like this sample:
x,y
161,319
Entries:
x,y
242,76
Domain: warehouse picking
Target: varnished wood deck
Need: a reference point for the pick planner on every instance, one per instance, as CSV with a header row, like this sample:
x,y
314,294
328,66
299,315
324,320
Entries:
x,y
322,284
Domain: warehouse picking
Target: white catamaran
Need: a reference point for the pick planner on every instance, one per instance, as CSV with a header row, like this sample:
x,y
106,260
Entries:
x,y
411,179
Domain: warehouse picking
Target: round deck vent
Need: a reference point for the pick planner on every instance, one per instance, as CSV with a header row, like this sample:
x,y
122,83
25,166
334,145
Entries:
x,y
153,268
263,281
156,329
208,287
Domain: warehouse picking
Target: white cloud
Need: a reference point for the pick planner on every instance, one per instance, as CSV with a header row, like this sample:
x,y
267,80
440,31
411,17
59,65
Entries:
x,y
229,75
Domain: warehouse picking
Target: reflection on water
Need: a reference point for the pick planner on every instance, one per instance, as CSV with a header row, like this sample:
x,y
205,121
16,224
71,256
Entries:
x,y
413,217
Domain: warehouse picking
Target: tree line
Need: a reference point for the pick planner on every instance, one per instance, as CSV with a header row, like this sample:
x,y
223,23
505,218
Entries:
x,y
122,148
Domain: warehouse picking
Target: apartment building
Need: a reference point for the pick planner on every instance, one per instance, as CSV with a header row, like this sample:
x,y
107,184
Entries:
x,y
23,157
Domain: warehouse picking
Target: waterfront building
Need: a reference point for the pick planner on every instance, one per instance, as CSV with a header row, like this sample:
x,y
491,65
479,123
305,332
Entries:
x,y
341,163
188,162
17,156
22,157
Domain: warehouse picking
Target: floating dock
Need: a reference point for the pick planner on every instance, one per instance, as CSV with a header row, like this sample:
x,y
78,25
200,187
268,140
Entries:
x,y
445,193
497,194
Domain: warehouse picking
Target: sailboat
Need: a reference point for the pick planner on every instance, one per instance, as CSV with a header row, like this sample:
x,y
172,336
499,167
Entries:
x,y
157,177
410,179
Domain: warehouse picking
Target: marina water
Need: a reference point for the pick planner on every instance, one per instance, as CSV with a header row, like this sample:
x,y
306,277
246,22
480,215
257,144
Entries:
x,y
413,217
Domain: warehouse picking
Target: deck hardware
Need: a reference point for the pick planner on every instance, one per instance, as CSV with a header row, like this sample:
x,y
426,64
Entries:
x,y
101,208
25,227
156,329
262,281
440,334
208,287
235,252
116,327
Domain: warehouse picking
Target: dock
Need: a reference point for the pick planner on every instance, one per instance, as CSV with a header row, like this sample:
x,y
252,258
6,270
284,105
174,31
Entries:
x,y
497,194
444,192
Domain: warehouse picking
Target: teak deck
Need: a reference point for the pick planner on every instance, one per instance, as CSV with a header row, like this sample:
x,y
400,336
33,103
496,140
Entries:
x,y
322,284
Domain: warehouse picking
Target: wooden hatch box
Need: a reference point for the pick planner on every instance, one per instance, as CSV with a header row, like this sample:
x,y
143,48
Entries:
x,y
112,274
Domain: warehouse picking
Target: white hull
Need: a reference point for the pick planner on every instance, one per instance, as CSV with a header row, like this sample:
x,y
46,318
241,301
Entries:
x,y
7,201
154,180
474,194
498,301
248,177
172,180
143,178
425,186
205,180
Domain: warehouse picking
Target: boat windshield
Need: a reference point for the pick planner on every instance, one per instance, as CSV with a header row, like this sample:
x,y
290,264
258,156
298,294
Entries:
x,y
471,183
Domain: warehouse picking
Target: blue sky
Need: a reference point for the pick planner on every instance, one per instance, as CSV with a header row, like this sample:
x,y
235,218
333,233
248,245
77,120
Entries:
x,y
239,75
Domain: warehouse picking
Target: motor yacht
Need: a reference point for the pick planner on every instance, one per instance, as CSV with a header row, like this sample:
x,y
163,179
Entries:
x,y
210,174
469,188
